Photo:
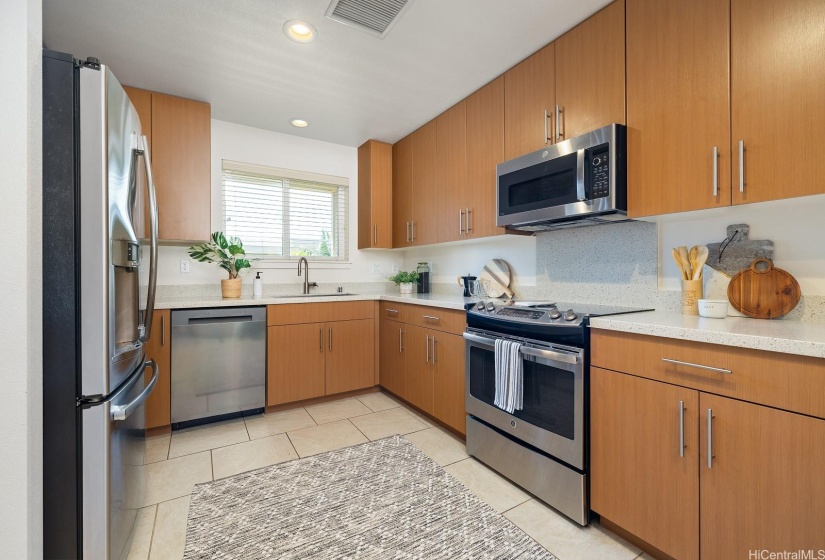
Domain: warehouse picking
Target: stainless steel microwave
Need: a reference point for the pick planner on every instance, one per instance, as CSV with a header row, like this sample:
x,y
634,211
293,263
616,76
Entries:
x,y
581,181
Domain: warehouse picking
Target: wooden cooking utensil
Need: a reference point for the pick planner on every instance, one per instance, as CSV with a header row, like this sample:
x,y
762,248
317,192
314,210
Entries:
x,y
701,259
679,264
693,252
683,254
496,277
764,294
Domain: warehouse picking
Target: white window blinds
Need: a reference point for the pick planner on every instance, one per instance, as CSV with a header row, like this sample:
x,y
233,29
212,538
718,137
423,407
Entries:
x,y
284,214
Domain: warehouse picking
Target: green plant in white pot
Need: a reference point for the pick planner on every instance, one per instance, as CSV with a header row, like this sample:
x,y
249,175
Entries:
x,y
404,280
228,253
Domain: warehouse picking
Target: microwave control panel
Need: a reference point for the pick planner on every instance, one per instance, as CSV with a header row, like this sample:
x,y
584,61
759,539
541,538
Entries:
x,y
597,172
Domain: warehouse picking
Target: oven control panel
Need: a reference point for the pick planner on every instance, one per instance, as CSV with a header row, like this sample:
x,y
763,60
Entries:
x,y
537,313
520,313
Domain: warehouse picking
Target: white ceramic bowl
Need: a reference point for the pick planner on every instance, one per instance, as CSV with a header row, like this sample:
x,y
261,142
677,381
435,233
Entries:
x,y
713,308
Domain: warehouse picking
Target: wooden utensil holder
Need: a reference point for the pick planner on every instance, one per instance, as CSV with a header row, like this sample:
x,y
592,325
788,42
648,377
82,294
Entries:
x,y
692,292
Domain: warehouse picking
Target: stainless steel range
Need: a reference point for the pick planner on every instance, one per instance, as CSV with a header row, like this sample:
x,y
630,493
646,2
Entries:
x,y
543,446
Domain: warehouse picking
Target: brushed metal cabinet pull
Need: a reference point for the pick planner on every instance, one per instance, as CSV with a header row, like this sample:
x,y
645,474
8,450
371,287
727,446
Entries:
x,y
741,166
412,232
469,228
321,340
392,311
710,438
407,232
163,330
435,352
400,340
330,339
715,171
682,428
546,138
698,366
428,348
559,111
375,234
460,221
431,318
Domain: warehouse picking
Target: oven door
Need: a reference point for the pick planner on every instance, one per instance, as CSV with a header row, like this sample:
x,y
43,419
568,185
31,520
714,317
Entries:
x,y
552,417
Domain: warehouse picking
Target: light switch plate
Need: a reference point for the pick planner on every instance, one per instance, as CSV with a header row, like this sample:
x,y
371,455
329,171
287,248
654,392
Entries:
x,y
395,268
184,265
376,268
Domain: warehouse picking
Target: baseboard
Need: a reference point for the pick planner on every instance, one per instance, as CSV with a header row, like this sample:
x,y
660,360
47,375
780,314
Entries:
x,y
158,431
646,547
321,400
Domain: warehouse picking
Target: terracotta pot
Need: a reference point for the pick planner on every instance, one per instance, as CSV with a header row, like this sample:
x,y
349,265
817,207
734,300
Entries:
x,y
231,289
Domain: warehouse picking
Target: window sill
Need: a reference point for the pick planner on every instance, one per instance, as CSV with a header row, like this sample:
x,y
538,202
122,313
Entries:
x,y
315,265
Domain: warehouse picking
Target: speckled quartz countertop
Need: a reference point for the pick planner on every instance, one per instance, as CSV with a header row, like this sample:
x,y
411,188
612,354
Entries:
x,y
788,337
446,301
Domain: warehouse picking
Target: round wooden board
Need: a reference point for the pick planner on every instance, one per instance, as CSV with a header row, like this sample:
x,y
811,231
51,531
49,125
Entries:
x,y
496,278
765,293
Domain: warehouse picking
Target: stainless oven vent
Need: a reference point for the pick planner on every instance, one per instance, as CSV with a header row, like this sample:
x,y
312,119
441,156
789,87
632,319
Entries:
x,y
375,17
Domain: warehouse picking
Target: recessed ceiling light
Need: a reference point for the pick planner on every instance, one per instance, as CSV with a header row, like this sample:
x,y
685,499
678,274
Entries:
x,y
300,123
300,31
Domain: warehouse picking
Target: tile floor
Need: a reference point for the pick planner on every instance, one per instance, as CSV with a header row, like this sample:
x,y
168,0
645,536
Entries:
x,y
188,457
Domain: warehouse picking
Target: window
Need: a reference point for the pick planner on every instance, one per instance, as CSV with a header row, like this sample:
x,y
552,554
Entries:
x,y
282,214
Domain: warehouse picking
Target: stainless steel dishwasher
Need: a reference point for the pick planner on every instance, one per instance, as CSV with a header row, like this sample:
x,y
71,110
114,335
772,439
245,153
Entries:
x,y
218,363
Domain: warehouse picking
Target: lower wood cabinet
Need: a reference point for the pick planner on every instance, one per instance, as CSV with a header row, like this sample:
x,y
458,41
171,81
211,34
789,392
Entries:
x,y
702,475
350,355
159,349
425,365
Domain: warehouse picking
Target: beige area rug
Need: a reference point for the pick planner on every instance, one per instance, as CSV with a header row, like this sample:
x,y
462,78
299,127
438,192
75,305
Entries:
x,y
383,499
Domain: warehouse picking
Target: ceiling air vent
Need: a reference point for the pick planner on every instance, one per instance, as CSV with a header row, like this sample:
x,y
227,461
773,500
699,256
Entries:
x,y
375,17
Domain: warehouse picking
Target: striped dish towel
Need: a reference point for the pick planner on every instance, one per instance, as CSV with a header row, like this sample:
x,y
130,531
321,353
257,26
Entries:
x,y
509,376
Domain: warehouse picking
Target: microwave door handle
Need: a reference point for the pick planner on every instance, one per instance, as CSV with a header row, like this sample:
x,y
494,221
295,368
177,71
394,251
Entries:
x,y
580,191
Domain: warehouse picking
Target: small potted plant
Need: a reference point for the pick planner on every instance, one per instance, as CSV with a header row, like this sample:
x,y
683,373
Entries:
x,y
227,253
404,280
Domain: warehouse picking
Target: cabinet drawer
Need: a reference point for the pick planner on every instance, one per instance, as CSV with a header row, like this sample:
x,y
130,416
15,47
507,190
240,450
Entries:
x,y
392,311
447,320
786,381
298,313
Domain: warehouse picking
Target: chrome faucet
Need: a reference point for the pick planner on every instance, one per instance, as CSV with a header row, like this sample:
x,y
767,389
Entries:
x,y
307,283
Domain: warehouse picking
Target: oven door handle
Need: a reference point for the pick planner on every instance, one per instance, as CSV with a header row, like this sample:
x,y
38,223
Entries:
x,y
537,352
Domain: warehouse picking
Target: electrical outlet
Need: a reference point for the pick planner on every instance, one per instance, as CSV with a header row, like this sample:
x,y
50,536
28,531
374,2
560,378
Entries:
x,y
184,265
376,268
395,268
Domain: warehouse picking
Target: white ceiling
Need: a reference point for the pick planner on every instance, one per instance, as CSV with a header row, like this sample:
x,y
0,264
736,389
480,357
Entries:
x,y
349,85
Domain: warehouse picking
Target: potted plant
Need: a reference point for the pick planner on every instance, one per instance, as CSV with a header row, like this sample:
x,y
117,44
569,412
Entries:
x,y
404,280
227,253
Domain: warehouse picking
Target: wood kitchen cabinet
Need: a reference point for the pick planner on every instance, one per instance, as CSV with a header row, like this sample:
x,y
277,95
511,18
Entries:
x,y
529,103
590,73
402,192
639,479
392,356
142,101
375,195
418,379
448,380
485,150
451,166
778,105
179,134
754,443
350,355
159,349
678,105
424,222
317,349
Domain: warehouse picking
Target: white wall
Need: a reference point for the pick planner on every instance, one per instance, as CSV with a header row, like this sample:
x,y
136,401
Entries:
x,y
20,330
254,145
796,226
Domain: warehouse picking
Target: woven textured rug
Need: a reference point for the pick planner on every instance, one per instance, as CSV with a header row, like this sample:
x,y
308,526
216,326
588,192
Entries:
x,y
383,499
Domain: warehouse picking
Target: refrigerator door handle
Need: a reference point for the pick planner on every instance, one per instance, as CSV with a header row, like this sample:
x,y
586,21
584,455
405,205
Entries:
x,y
148,316
122,412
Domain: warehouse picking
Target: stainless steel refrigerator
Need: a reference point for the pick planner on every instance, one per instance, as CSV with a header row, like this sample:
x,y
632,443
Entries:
x,y
96,321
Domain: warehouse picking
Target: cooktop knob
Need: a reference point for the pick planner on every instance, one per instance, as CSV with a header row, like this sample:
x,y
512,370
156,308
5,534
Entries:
x,y
570,315
490,306
480,306
555,313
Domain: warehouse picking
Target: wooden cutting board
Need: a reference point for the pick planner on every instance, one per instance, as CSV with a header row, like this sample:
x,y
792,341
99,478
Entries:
x,y
763,291
496,277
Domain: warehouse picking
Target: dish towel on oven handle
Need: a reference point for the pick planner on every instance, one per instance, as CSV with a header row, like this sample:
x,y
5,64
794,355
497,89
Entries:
x,y
509,376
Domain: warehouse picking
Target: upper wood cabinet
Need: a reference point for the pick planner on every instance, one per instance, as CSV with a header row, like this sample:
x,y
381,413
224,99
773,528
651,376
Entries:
x,y
451,143
678,108
424,223
179,134
142,101
375,195
402,192
777,85
181,162
159,349
529,103
485,150
590,73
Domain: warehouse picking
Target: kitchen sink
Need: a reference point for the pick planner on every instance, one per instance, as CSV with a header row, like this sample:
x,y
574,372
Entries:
x,y
316,295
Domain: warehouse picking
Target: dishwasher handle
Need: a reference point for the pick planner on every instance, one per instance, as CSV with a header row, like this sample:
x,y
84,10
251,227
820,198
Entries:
x,y
218,320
